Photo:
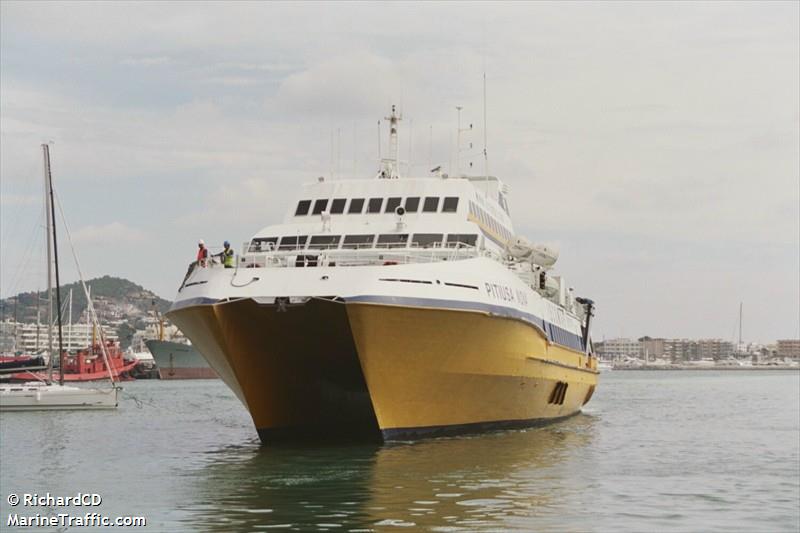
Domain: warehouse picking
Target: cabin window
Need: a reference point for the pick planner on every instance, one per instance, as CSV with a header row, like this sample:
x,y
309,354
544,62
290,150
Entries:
x,y
458,240
324,242
358,241
374,205
356,206
319,206
431,204
450,204
392,240
392,204
302,208
412,204
295,242
337,206
263,244
427,240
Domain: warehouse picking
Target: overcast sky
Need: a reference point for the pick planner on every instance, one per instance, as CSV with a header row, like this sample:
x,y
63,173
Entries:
x,y
657,144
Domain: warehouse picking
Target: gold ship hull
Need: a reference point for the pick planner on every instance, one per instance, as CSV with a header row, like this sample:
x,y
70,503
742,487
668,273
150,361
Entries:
x,y
329,367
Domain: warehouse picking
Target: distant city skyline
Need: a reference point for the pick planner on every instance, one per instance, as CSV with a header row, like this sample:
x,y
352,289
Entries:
x,y
657,143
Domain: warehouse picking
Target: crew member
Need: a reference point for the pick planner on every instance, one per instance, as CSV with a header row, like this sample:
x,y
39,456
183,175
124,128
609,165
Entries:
x,y
226,255
202,253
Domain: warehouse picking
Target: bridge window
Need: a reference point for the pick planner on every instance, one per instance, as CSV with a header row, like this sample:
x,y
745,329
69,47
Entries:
x,y
450,204
337,206
458,240
374,205
358,241
263,244
412,204
302,208
431,204
392,204
294,242
427,240
319,206
356,206
392,240
324,242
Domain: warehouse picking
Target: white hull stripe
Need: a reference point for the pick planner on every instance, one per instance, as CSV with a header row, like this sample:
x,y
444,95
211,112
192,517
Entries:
x,y
555,334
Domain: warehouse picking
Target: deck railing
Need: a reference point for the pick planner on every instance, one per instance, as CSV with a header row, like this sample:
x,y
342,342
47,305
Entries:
x,y
353,257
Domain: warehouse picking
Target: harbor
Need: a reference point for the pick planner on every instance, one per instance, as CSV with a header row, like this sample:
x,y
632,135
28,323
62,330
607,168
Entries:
x,y
193,468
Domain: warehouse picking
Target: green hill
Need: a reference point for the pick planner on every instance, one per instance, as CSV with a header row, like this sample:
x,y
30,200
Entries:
x,y
116,300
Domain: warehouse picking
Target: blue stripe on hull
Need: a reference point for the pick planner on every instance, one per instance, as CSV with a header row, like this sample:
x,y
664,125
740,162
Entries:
x,y
552,332
427,432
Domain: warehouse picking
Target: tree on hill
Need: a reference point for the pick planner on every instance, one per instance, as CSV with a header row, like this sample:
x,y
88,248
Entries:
x,y
121,291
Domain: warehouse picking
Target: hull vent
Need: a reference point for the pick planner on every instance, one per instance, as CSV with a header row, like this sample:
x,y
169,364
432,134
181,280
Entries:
x,y
558,394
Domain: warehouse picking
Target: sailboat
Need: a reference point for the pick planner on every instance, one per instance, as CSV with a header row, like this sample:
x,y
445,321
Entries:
x,y
48,394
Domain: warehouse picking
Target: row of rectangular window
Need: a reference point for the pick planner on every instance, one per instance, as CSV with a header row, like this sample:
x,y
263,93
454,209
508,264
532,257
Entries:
x,y
352,242
376,205
489,221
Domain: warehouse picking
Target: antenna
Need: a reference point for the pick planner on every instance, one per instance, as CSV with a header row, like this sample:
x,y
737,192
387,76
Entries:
x,y
485,135
390,166
458,141
410,137
379,142
430,147
338,151
355,152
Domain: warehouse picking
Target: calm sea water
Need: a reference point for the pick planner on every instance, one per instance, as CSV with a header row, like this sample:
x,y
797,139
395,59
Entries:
x,y
665,451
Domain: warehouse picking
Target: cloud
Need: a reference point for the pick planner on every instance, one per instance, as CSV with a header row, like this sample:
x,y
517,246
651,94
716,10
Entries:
x,y
19,199
114,233
642,138
146,61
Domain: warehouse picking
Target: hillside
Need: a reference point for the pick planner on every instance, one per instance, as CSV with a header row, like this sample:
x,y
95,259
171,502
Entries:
x,y
117,301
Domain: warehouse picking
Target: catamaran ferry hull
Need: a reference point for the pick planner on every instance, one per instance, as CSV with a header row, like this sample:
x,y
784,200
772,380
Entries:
x,y
385,368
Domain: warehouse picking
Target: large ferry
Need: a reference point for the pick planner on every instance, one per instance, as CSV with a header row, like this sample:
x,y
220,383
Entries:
x,y
397,307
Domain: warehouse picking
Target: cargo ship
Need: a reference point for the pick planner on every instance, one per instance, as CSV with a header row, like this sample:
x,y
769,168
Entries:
x,y
394,307
176,360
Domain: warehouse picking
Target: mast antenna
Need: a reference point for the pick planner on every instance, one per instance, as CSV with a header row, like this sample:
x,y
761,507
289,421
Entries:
x,y
485,135
458,141
390,165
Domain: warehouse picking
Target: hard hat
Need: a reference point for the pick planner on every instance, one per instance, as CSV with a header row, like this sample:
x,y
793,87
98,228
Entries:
x,y
201,242
226,243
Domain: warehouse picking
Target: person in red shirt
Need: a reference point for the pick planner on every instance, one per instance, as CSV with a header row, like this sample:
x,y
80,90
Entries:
x,y
202,253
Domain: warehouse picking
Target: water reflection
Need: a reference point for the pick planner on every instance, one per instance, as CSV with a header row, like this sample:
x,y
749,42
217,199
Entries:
x,y
480,482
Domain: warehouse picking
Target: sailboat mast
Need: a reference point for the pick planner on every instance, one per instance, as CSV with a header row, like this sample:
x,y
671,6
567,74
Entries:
x,y
52,215
48,198
739,347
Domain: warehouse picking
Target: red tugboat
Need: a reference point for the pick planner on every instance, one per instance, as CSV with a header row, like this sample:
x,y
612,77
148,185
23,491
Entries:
x,y
88,365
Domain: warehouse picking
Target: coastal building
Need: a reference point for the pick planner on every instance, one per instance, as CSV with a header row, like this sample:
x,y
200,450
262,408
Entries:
x,y
650,348
714,349
681,350
618,349
32,338
789,348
